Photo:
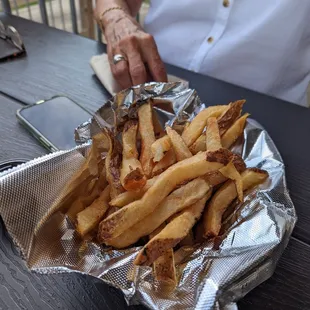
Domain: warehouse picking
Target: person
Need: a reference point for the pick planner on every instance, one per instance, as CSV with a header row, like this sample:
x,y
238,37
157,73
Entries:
x,y
261,45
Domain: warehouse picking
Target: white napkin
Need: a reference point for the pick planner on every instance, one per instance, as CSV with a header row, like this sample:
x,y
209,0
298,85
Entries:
x,y
101,66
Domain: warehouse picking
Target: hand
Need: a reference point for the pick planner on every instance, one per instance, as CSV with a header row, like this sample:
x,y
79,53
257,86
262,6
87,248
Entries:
x,y
126,37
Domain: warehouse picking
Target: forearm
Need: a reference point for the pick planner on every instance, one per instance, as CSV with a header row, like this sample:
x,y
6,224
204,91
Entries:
x,y
129,7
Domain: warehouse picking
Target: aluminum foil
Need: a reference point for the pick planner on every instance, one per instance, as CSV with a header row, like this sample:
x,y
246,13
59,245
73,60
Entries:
x,y
209,277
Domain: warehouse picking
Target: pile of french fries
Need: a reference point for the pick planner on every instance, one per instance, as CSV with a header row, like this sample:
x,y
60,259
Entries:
x,y
167,187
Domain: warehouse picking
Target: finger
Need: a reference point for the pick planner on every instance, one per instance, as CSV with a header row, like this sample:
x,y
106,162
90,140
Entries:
x,y
120,70
153,60
137,68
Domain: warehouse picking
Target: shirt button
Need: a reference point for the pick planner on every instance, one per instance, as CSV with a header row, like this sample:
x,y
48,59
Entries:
x,y
226,3
210,39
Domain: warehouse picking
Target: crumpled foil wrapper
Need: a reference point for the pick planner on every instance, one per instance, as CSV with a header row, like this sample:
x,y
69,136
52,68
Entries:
x,y
209,277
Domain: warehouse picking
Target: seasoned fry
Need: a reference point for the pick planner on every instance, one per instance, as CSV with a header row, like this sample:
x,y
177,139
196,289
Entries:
x,y
168,160
89,218
147,134
87,196
125,198
199,145
91,169
171,235
160,147
234,132
131,176
164,268
212,217
180,148
175,202
113,162
229,171
184,170
213,139
196,127
230,116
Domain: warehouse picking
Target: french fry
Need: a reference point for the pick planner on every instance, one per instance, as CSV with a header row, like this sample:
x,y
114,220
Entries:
x,y
187,169
212,217
230,116
164,268
234,132
230,172
196,127
112,163
168,160
89,218
147,134
175,202
87,196
91,169
131,176
180,148
160,147
125,198
111,210
172,234
199,145
213,139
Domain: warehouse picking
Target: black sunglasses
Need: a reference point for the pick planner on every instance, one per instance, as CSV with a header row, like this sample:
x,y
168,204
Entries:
x,y
10,34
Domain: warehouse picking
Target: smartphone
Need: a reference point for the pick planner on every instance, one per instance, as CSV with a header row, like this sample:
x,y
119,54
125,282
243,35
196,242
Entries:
x,y
52,122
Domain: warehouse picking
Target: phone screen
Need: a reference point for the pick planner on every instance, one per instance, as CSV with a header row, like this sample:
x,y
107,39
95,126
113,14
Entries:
x,y
54,121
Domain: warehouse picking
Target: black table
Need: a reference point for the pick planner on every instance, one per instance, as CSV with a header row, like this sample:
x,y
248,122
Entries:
x,y
57,63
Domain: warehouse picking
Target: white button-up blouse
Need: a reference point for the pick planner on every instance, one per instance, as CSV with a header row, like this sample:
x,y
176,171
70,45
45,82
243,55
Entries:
x,y
263,45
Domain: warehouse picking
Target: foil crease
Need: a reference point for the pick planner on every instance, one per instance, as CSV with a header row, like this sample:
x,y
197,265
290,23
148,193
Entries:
x,y
209,277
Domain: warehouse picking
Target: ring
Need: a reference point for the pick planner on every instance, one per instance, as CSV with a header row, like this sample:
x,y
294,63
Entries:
x,y
117,58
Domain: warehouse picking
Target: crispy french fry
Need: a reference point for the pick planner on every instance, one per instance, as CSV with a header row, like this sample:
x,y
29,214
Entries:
x,y
111,210
125,198
171,235
187,169
131,176
168,160
182,254
212,217
147,134
213,139
230,116
180,148
199,145
160,147
112,163
234,132
90,217
215,178
175,202
164,268
91,169
87,196
196,127
229,171
77,206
